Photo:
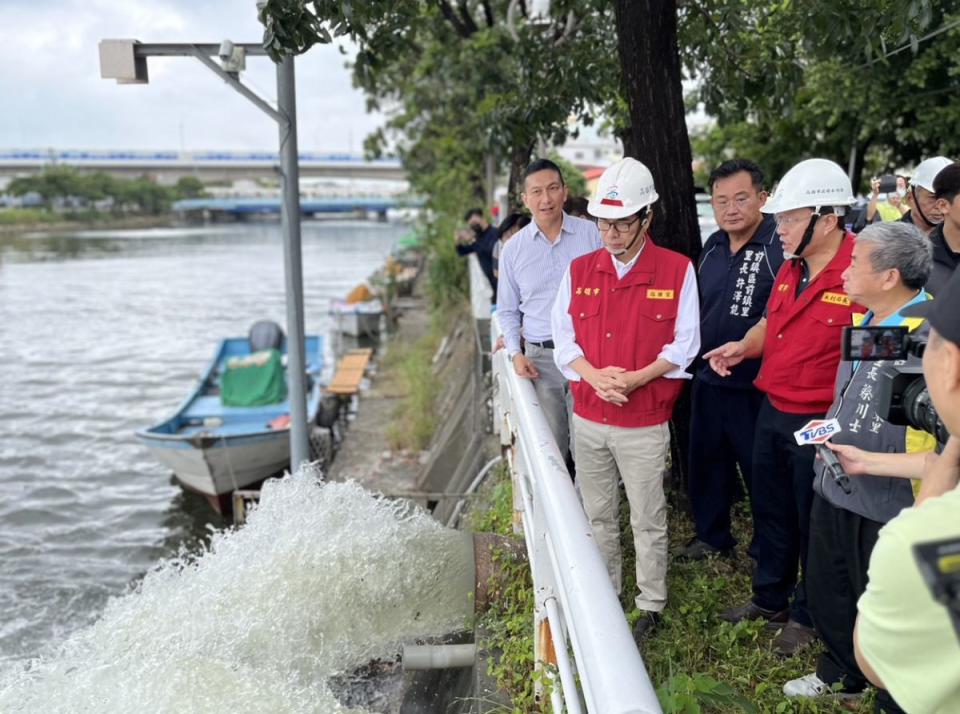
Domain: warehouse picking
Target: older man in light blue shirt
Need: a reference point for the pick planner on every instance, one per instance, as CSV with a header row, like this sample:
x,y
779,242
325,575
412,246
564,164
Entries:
x,y
532,265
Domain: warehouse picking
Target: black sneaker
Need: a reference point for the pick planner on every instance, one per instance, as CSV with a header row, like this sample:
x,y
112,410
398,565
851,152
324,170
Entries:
x,y
696,549
749,611
644,625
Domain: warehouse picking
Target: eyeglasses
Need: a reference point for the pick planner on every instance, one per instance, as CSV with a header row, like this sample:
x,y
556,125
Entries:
x,y
722,205
618,226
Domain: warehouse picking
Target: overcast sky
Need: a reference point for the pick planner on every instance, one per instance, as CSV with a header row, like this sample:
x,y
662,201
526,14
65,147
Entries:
x,y
51,94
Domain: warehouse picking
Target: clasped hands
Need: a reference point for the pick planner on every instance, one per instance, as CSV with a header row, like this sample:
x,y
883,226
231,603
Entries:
x,y
614,384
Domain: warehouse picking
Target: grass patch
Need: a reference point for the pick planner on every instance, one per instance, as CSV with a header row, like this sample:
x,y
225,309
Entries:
x,y
697,662
411,367
41,216
447,290
506,629
27,216
700,663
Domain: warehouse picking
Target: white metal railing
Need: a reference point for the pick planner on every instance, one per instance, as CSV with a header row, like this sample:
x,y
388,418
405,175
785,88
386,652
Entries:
x,y
480,291
575,602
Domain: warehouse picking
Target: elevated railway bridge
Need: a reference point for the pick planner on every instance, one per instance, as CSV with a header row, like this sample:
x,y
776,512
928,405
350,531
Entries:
x,y
166,167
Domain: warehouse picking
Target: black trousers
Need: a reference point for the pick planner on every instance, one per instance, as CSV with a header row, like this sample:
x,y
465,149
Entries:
x,y
781,493
838,556
721,436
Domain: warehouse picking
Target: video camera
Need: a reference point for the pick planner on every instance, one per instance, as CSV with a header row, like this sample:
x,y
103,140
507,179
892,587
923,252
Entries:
x,y
939,563
903,397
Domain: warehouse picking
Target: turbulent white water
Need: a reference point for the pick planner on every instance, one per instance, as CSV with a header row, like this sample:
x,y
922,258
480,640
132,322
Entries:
x,y
104,333
319,581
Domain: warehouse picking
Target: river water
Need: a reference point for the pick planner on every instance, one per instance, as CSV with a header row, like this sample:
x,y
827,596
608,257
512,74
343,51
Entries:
x,y
101,333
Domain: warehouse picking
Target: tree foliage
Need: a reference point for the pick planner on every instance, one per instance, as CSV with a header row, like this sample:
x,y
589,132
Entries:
x,y
572,176
65,185
784,80
463,81
844,80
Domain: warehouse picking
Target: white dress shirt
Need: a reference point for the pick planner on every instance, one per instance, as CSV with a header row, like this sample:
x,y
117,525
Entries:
x,y
530,271
686,332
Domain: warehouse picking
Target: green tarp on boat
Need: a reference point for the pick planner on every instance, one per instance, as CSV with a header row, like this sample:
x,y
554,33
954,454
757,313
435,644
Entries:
x,y
253,381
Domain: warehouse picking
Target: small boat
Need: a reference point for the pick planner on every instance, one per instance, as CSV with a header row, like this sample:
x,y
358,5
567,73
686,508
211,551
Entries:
x,y
214,449
357,319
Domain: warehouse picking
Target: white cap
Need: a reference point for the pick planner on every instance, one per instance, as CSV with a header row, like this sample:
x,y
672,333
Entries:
x,y
624,189
927,171
811,184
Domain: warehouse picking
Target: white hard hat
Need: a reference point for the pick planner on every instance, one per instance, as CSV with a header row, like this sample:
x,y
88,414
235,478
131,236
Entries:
x,y
927,171
810,184
624,189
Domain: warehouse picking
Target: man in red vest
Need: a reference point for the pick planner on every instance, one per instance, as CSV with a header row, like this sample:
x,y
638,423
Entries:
x,y
799,340
626,324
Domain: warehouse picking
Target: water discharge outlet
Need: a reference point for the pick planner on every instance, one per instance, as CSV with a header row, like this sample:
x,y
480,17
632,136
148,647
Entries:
x,y
322,581
438,656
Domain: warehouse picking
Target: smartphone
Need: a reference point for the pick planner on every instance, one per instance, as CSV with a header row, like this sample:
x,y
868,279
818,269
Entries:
x,y
888,184
874,343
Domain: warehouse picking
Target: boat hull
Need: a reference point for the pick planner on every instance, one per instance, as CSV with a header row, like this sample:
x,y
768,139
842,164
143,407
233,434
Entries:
x,y
216,467
215,449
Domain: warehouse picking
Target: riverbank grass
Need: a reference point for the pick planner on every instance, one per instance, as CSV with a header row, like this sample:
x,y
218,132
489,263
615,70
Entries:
x,y
697,662
411,364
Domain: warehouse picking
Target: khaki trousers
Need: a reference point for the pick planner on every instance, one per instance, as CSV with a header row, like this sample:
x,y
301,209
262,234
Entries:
x,y
638,456
554,395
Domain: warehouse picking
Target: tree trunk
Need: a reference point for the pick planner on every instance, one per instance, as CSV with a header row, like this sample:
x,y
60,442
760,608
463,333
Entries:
x,y
647,41
519,159
859,159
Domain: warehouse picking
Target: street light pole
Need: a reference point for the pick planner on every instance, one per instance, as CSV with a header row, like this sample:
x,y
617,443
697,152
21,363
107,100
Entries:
x,y
293,262
126,61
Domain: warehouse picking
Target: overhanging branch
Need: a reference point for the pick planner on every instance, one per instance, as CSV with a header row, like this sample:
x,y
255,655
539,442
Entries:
x,y
488,13
452,18
466,18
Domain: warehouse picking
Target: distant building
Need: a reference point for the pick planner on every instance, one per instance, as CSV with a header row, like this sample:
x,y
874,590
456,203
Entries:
x,y
591,150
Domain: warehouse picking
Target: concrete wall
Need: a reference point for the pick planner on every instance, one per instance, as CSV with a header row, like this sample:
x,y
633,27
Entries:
x,y
463,442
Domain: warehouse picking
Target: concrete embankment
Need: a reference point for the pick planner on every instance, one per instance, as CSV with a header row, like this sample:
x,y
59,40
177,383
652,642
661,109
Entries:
x,y
109,223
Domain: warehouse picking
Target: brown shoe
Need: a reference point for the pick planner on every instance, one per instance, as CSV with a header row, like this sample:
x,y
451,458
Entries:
x,y
793,638
753,612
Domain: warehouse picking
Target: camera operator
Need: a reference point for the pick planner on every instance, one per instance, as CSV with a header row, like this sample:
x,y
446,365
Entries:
x,y
905,641
890,263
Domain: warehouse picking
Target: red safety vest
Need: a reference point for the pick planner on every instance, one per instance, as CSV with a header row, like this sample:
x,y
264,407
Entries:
x,y
626,323
802,346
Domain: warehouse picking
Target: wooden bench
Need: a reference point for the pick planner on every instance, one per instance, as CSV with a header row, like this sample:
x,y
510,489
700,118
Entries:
x,y
346,380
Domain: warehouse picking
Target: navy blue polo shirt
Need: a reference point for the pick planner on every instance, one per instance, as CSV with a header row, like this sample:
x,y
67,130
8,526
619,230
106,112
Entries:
x,y
733,295
483,247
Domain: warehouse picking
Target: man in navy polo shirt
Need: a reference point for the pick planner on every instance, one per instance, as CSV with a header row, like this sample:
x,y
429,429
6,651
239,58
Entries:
x,y
484,237
737,268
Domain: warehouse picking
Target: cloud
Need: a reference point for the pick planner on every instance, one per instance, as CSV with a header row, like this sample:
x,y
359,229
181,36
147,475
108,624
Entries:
x,y
55,97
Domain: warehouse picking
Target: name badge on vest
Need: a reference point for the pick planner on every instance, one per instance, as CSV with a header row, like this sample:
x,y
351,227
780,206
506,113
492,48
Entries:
x,y
836,299
653,294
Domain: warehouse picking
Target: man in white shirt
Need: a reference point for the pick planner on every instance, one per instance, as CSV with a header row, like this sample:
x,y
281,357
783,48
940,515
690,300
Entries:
x,y
530,269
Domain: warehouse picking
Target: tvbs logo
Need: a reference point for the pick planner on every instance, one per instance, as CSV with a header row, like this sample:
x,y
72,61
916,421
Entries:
x,y
817,431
